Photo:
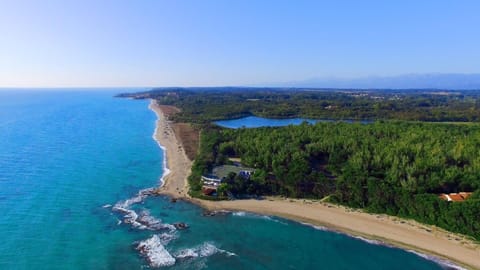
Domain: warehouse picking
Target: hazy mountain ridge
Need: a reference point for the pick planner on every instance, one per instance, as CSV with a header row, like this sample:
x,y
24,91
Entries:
x,y
451,81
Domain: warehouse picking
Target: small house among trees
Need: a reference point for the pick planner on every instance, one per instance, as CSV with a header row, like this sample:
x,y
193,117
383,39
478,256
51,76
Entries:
x,y
220,174
455,197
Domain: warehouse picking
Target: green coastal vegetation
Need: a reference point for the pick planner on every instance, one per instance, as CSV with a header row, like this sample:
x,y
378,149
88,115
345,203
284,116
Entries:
x,y
398,168
398,164
203,105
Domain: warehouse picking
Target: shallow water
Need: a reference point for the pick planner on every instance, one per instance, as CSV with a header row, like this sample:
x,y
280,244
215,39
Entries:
x,y
67,157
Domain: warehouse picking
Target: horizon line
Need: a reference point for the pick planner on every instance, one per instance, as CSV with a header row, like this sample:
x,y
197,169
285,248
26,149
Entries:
x,y
149,88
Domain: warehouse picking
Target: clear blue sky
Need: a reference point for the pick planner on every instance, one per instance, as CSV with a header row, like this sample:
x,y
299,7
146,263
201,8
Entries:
x,y
231,42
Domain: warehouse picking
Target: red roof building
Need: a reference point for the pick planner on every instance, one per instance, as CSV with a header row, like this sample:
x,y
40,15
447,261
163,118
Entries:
x,y
208,191
455,197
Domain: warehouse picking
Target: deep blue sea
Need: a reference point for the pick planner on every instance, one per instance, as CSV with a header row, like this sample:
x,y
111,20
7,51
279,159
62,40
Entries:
x,y
68,158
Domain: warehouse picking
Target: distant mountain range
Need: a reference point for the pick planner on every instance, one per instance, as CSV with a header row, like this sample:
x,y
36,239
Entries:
x,y
410,81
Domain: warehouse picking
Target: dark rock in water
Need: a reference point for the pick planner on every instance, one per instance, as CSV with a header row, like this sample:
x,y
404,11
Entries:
x,y
207,213
180,225
173,200
151,223
150,192
157,192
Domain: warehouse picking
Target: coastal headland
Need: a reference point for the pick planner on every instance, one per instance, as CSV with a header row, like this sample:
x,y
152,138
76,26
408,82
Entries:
x,y
395,231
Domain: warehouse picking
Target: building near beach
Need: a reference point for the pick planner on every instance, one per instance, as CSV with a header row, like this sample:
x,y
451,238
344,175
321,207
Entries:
x,y
455,197
211,181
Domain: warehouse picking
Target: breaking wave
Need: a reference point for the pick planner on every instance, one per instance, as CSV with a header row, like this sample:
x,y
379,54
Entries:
x,y
239,214
372,241
166,170
316,227
204,250
253,215
142,220
155,253
141,195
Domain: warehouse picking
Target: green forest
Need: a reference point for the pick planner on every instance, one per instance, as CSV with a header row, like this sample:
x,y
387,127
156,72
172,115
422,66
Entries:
x,y
203,105
397,164
392,167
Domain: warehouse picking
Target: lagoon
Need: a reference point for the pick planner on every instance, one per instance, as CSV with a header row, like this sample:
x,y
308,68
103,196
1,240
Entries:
x,y
256,122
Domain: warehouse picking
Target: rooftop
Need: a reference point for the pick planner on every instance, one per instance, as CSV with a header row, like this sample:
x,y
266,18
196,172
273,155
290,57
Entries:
x,y
455,197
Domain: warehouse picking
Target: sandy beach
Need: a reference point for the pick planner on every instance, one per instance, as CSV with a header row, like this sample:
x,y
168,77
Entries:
x,y
399,232
177,163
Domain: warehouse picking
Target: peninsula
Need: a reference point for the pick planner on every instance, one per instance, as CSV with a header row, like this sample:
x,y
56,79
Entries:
x,y
405,233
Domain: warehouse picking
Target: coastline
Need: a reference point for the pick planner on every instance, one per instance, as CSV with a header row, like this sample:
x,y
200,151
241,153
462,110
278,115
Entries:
x,y
383,229
394,231
175,162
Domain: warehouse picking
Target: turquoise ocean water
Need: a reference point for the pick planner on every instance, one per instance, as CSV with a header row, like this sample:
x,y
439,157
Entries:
x,y
67,157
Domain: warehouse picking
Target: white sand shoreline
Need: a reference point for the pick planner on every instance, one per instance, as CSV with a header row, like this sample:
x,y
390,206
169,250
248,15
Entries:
x,y
165,169
407,234
176,164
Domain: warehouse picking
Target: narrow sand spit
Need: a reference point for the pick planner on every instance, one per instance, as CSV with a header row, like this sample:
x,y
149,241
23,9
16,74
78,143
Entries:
x,y
391,230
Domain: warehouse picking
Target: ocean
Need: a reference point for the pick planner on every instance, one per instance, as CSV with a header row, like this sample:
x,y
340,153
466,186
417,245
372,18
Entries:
x,y
72,164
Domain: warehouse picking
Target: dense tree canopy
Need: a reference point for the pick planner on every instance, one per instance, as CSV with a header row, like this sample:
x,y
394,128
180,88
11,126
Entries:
x,y
390,166
203,105
387,167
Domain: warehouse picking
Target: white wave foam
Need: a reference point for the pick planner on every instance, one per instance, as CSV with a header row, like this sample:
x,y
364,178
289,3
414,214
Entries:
x,y
130,217
155,252
166,170
316,227
239,214
107,206
166,238
186,253
320,228
151,222
274,220
372,241
141,195
207,249
143,221
253,215
204,250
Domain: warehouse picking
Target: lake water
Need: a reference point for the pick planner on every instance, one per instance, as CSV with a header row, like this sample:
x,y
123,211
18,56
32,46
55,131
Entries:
x,y
255,122
67,157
